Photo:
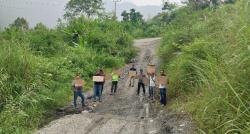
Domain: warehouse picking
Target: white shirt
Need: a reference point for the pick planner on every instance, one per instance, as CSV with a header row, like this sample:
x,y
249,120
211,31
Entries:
x,y
162,86
152,81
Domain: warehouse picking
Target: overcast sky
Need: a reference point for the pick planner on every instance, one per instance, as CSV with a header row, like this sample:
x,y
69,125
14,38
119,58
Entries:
x,y
148,2
48,11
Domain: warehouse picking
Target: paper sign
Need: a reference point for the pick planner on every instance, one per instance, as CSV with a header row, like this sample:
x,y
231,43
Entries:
x,y
98,78
132,73
151,69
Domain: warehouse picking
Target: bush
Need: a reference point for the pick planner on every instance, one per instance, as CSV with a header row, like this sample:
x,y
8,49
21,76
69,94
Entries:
x,y
37,67
206,54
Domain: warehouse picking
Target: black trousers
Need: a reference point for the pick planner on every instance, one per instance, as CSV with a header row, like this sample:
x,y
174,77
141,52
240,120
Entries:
x,y
139,87
114,86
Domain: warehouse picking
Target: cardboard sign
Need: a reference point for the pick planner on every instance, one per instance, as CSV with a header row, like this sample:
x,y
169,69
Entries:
x,y
98,78
132,73
162,80
151,69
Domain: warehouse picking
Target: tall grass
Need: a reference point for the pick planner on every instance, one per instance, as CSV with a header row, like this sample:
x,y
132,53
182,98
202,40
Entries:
x,y
208,58
37,67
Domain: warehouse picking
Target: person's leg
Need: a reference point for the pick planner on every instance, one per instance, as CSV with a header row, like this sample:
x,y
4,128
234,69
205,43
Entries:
x,y
112,87
165,97
102,86
143,87
75,98
153,93
82,97
133,81
95,92
99,92
150,91
138,90
161,95
115,86
130,81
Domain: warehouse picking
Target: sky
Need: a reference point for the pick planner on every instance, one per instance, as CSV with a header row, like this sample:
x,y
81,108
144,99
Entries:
x,y
145,2
48,11
149,2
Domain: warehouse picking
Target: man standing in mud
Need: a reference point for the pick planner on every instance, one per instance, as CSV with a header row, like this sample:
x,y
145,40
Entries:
x,y
77,85
98,87
132,78
141,83
163,82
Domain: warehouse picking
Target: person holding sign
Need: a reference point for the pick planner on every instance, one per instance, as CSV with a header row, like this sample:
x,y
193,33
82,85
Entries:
x,y
152,84
115,79
163,88
98,79
141,78
132,75
77,85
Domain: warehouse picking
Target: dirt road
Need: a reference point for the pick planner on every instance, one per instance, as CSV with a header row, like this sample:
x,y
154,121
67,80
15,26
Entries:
x,y
125,112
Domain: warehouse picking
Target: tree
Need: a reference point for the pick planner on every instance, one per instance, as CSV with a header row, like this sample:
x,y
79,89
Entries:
x,y
20,23
135,17
168,6
87,8
132,16
125,16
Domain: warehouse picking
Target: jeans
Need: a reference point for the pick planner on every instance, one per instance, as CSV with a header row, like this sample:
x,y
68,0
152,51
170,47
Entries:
x,y
163,96
151,91
97,91
102,86
80,94
114,86
140,84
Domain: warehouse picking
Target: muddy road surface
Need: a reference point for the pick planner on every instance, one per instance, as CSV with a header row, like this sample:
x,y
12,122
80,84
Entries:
x,y
125,112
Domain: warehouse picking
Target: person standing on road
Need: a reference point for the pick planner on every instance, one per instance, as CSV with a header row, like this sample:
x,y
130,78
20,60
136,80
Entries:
x,y
102,84
115,79
97,88
132,78
152,84
77,85
141,78
163,82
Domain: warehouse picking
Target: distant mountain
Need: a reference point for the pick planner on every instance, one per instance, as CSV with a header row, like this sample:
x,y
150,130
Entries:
x,y
147,11
48,11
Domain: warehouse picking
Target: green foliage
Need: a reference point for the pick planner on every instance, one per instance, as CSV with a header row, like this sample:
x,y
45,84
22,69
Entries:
x,y
20,23
76,8
207,57
37,67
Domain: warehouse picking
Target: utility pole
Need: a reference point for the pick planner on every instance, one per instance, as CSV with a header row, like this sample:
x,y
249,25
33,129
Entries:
x,y
115,12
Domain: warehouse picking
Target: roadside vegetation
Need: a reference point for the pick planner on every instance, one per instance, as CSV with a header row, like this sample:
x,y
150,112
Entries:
x,y
206,53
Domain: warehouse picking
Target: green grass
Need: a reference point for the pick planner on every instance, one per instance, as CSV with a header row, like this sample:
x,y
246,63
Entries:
x,y
207,57
38,65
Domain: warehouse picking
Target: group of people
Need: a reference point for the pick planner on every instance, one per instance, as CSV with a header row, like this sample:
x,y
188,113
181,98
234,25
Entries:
x,y
153,84
78,83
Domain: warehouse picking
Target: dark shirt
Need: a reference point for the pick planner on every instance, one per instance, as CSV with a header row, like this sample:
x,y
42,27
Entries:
x,y
132,69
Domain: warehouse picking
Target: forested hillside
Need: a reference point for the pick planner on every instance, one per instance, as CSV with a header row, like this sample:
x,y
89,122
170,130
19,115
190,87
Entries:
x,y
206,53
38,64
